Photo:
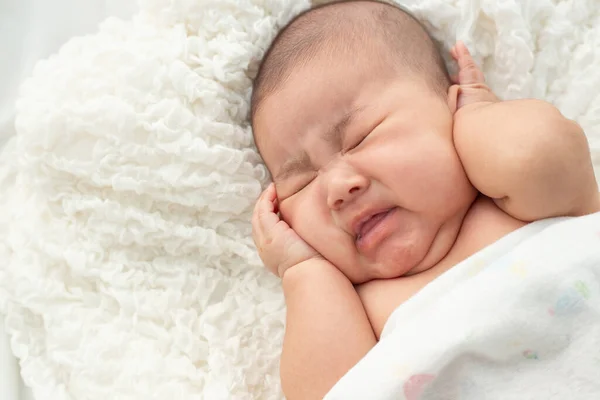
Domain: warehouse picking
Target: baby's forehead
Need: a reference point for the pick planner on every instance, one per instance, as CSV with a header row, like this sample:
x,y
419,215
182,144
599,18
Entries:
x,y
363,34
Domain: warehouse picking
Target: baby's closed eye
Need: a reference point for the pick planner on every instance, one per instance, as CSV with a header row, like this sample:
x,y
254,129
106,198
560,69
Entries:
x,y
296,184
355,142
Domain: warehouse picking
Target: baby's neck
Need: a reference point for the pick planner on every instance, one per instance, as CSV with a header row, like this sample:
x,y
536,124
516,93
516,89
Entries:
x,y
483,225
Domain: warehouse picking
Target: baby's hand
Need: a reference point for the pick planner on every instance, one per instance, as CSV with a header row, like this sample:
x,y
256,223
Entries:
x,y
472,88
279,246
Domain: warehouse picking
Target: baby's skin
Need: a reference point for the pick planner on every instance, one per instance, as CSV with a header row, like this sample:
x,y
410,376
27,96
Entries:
x,y
415,186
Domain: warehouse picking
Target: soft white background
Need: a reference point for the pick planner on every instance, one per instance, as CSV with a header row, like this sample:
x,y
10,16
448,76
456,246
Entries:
x,y
33,29
29,31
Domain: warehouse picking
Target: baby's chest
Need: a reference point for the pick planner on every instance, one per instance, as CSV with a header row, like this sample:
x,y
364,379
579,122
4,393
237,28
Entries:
x,y
381,297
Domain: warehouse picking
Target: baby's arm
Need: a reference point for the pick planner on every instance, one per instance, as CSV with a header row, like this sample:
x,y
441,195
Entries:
x,y
525,154
327,329
530,159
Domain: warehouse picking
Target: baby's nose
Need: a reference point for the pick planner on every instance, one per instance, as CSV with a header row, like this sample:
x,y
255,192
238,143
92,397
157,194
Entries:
x,y
343,187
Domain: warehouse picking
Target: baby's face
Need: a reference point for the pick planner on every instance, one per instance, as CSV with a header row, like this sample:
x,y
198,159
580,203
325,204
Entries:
x,y
365,168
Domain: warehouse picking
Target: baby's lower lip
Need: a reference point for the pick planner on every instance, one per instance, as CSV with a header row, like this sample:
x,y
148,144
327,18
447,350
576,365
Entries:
x,y
375,233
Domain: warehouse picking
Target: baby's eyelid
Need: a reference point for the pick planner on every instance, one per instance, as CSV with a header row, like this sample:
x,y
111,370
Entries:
x,y
358,142
365,135
305,183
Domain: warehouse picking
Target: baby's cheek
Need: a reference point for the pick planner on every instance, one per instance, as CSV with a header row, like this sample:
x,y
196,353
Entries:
x,y
286,211
298,212
438,167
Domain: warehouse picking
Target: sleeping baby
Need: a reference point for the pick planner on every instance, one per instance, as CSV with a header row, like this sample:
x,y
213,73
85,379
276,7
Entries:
x,y
387,173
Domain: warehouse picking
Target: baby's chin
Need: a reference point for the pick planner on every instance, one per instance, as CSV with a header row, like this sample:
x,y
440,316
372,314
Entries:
x,y
401,259
417,253
394,258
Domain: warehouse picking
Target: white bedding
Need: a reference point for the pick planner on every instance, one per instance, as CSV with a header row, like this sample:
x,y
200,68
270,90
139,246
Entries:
x,y
29,31
128,269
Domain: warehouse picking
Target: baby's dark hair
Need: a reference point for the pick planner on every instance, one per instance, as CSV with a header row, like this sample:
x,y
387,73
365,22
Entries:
x,y
351,26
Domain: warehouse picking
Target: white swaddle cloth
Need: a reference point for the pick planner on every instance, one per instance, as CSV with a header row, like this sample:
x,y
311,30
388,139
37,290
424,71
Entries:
x,y
518,320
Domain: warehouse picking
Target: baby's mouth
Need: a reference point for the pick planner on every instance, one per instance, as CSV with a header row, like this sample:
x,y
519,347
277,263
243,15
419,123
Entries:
x,y
367,226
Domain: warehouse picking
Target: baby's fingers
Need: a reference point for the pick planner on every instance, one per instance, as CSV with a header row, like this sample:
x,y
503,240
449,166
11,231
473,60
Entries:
x,y
468,71
265,217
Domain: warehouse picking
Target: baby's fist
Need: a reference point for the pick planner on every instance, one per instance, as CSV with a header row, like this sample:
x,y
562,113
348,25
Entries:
x,y
279,246
472,88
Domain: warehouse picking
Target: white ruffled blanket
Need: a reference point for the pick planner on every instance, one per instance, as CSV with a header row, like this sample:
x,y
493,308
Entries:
x,y
127,268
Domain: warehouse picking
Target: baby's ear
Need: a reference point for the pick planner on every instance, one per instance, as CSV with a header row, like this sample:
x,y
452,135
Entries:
x,y
453,93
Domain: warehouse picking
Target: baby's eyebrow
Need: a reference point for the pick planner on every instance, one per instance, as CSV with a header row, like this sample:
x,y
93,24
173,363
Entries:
x,y
294,166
